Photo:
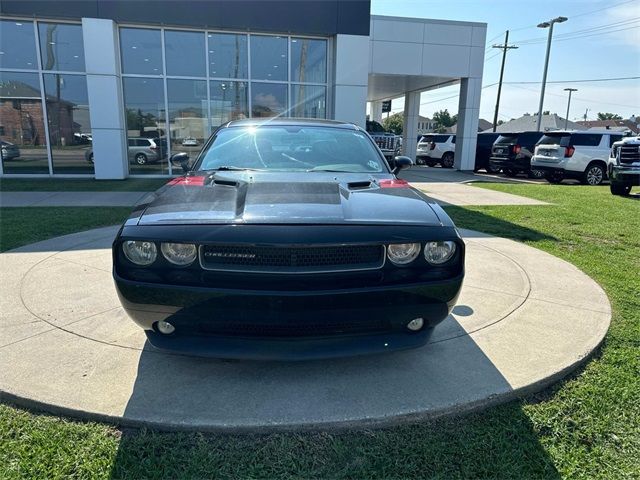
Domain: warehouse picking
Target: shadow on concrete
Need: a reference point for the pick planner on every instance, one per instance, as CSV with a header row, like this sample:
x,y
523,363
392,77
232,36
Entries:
x,y
95,239
290,402
484,225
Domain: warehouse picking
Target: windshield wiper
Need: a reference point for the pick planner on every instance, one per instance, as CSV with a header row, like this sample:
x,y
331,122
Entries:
x,y
230,168
330,170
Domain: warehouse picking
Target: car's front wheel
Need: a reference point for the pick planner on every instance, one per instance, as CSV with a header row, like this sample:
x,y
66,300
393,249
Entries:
x,y
447,160
141,158
593,175
620,189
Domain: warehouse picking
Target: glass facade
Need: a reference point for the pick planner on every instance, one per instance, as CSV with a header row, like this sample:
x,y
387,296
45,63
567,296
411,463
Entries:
x,y
44,109
178,86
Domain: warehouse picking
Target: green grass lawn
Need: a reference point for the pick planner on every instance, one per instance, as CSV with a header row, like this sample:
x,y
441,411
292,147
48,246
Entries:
x,y
587,426
80,185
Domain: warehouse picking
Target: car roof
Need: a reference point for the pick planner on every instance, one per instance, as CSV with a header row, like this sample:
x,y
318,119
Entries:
x,y
289,122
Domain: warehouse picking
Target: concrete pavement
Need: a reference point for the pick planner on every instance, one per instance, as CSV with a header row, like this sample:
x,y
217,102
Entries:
x,y
524,319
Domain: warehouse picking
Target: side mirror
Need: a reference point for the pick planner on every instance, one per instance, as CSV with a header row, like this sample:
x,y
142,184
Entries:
x,y
401,163
181,159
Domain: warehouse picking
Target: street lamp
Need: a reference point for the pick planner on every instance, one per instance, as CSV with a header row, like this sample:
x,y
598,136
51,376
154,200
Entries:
x,y
566,118
549,25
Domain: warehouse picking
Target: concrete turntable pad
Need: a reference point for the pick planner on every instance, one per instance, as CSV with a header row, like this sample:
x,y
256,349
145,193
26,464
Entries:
x,y
524,320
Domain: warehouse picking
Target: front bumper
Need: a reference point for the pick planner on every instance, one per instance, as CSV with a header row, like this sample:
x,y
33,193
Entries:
x,y
627,175
287,325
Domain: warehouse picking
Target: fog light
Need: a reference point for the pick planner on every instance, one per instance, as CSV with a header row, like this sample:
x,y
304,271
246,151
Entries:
x,y
165,327
415,324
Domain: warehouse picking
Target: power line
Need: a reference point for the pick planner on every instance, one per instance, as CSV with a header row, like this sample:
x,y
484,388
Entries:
x,y
577,33
580,98
577,81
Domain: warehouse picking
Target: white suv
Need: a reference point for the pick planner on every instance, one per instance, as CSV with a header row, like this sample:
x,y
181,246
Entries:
x,y
436,148
580,155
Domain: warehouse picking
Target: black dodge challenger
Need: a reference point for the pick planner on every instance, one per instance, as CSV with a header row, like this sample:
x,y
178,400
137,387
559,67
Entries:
x,y
288,239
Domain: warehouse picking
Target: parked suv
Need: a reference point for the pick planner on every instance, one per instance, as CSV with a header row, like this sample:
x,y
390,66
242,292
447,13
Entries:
x,y
580,155
624,166
141,150
512,153
388,142
483,152
436,148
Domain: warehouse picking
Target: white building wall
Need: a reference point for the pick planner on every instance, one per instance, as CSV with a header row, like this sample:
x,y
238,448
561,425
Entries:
x,y
105,98
350,80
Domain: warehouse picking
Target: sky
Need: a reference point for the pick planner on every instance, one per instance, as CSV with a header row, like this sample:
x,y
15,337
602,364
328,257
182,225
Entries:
x,y
611,50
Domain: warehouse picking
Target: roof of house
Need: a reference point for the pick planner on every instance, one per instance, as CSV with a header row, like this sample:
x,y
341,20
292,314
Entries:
x,y
528,123
482,126
618,125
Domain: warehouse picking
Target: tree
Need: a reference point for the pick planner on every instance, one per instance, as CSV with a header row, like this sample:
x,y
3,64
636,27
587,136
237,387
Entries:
x,y
136,120
394,123
442,120
608,116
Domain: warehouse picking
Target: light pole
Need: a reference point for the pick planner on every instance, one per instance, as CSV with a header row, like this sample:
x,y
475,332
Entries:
x,y
566,118
549,25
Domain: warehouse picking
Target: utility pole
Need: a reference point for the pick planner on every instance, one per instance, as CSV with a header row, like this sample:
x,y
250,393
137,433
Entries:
x,y
566,118
548,25
504,49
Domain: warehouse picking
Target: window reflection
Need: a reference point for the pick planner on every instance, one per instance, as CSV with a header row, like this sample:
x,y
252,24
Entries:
x,y
268,99
22,133
228,101
61,47
269,57
17,45
69,124
141,51
227,55
187,114
308,101
184,52
146,127
308,60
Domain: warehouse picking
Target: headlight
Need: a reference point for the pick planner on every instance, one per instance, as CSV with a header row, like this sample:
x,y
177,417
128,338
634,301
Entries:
x,y
437,253
403,253
140,253
179,253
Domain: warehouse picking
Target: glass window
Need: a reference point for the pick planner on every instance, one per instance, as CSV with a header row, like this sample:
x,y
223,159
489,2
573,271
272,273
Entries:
x,y
184,53
309,101
187,114
17,45
268,99
23,138
61,47
145,112
308,60
228,101
562,139
227,55
613,139
268,58
141,51
274,147
586,139
69,124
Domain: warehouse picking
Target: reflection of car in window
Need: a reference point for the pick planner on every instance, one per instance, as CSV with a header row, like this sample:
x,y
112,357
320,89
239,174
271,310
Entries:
x,y
9,151
141,150
288,239
189,142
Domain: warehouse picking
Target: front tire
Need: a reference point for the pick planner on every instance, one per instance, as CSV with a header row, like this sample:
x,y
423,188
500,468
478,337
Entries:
x,y
593,175
620,189
141,159
447,160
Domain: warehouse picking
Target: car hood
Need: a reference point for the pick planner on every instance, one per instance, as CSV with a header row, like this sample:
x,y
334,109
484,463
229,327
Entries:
x,y
288,198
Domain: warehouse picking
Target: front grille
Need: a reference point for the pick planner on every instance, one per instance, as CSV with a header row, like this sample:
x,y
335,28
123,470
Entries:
x,y
385,143
298,328
283,259
629,153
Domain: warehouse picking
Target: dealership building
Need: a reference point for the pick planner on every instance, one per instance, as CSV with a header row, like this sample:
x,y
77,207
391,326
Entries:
x,y
111,88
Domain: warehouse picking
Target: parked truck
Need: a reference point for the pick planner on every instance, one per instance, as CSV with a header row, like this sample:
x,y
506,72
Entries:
x,y
389,142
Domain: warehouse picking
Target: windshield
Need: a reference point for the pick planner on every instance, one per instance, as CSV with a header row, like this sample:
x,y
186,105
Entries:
x,y
291,148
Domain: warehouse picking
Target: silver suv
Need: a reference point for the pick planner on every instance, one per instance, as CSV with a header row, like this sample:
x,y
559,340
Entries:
x,y
624,166
141,150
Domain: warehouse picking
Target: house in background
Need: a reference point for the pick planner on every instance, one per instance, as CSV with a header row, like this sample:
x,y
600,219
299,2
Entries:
x,y
528,123
624,126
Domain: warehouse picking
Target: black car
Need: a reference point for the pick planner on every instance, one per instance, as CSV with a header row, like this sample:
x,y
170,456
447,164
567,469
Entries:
x,y
483,152
512,153
288,239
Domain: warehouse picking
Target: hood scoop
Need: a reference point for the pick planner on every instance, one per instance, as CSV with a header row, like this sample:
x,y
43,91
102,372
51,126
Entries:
x,y
359,185
225,182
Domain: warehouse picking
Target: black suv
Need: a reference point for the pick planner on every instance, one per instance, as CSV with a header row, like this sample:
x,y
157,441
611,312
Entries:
x,y
512,153
483,152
